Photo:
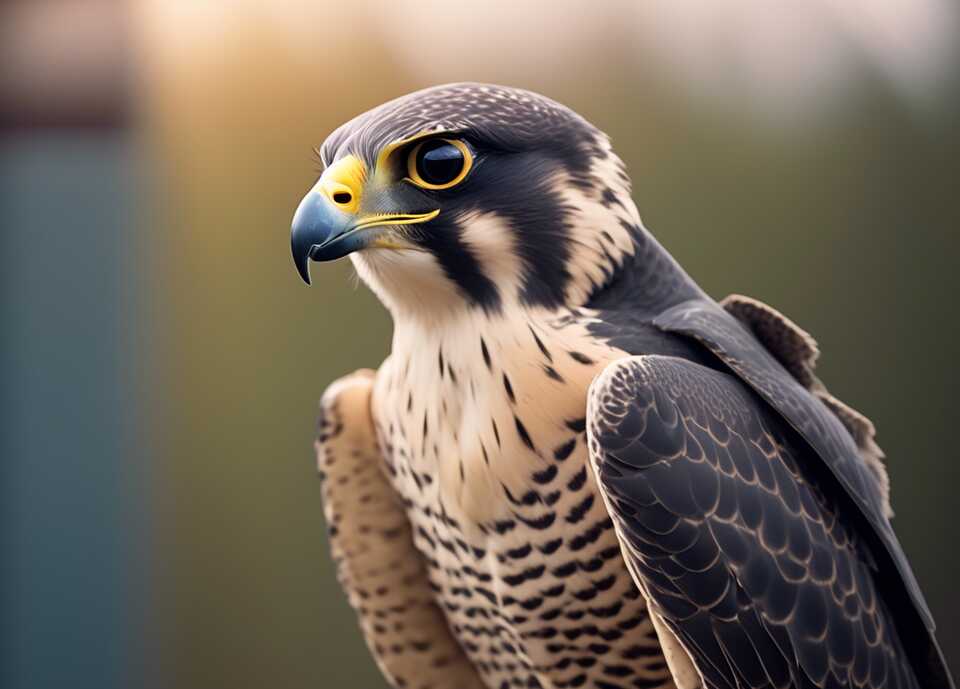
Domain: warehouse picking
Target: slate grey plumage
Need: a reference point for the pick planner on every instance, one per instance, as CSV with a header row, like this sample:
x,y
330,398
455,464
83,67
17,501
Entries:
x,y
728,525
745,553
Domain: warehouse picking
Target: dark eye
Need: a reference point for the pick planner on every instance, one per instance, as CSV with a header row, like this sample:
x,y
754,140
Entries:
x,y
439,163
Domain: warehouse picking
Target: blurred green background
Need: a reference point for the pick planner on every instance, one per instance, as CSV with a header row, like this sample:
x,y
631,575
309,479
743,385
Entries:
x,y
162,361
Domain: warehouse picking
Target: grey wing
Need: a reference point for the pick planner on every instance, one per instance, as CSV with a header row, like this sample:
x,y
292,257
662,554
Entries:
x,y
736,544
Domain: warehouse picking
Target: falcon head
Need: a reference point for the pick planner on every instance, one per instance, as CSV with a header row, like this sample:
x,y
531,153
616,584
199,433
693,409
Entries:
x,y
470,196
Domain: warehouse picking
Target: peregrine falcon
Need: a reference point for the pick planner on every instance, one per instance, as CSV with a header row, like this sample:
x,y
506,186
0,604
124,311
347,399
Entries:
x,y
575,468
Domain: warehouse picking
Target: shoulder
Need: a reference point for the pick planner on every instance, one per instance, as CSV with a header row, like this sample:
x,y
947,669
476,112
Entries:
x,y
636,335
345,406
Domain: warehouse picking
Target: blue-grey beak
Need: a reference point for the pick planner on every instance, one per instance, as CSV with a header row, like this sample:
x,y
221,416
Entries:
x,y
321,231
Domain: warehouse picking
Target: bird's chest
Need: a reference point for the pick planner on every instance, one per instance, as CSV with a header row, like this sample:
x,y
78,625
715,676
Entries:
x,y
482,438
491,465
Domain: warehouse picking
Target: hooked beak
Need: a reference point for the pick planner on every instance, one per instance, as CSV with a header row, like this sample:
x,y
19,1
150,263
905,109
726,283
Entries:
x,y
328,226
322,232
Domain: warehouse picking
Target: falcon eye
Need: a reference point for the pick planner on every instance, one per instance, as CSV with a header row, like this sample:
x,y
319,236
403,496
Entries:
x,y
439,163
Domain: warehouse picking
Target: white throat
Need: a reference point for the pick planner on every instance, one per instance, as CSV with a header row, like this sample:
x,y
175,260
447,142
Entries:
x,y
488,397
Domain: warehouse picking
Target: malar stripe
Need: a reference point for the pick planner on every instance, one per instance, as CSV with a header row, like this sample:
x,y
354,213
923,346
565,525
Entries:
x,y
462,267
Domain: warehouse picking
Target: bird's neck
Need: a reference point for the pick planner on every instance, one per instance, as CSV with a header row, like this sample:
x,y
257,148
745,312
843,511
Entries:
x,y
497,396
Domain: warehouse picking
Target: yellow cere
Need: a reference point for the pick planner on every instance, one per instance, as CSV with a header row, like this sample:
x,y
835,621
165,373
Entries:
x,y
342,183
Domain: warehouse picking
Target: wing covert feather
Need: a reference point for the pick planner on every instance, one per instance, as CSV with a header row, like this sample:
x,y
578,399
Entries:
x,y
748,560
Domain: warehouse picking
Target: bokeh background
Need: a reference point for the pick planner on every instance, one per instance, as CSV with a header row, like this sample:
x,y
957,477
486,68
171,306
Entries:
x,y
161,361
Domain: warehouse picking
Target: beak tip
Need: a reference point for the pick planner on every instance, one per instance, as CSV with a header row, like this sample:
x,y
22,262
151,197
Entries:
x,y
303,267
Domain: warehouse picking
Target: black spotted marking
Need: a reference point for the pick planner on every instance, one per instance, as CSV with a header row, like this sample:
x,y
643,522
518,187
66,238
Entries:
x,y
486,593
440,361
577,425
509,388
637,651
520,553
631,622
644,683
486,354
522,432
550,547
531,497
479,576
564,451
578,481
551,614
551,498
552,373
445,544
579,511
543,349
525,575
592,565
580,357
589,536
546,476
586,594
544,521
496,431
605,583
607,611
541,633
531,603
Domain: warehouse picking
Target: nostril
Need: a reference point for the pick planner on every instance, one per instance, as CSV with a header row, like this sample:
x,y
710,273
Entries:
x,y
342,197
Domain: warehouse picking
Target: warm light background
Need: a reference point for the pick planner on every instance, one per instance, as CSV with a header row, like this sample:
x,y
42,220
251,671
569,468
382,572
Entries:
x,y
805,153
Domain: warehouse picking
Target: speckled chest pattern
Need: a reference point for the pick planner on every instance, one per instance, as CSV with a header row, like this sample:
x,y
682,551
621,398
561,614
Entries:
x,y
484,441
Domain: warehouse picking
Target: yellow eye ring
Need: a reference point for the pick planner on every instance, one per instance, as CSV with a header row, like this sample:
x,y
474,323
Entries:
x,y
415,162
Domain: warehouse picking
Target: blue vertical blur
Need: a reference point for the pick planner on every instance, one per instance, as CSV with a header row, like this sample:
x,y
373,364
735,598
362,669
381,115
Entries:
x,y
73,468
